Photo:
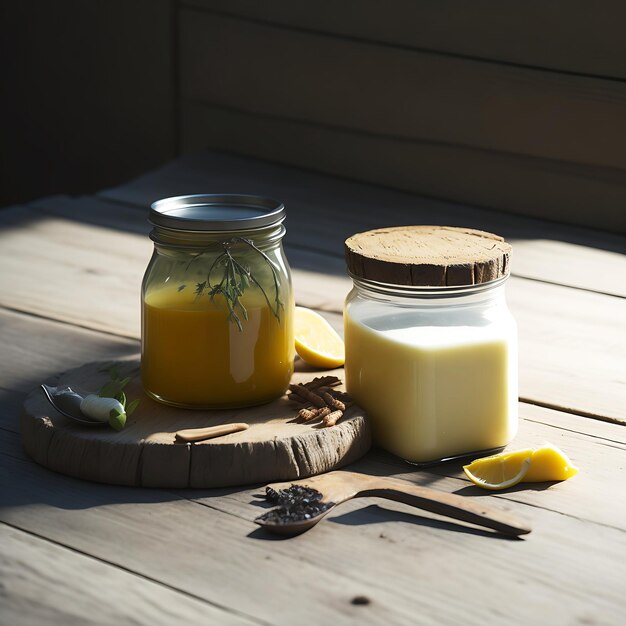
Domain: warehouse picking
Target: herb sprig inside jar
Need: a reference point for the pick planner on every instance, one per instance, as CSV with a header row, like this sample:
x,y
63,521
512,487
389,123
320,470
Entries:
x,y
236,278
217,316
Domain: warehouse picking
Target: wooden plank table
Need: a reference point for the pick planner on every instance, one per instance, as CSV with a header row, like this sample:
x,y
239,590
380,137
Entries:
x,y
76,552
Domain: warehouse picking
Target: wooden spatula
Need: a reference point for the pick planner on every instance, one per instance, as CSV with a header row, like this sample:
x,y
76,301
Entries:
x,y
339,486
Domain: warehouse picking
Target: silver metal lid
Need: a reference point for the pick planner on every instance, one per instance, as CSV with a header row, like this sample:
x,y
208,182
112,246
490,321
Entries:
x,y
216,212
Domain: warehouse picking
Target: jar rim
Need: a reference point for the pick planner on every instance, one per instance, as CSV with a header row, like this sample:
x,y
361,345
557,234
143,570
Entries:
x,y
216,212
425,292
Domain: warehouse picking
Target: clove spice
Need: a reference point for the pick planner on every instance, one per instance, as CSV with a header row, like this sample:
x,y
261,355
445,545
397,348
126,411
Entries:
x,y
317,399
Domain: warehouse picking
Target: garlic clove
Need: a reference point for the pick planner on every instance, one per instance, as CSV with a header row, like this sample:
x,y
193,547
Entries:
x,y
101,409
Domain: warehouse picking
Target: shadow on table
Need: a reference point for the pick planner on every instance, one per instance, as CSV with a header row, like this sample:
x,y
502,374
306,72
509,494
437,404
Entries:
x,y
24,483
376,514
471,490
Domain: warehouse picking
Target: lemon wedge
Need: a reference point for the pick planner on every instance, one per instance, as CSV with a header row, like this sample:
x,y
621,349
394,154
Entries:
x,y
317,342
549,463
500,470
531,465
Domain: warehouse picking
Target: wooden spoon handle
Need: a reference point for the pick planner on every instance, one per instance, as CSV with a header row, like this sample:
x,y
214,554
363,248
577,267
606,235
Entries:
x,y
200,434
450,505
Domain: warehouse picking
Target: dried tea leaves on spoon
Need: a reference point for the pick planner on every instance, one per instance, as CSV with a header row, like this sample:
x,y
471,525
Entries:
x,y
296,513
296,494
299,502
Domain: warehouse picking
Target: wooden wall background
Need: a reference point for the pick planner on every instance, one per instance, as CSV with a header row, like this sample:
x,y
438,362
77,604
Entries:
x,y
87,94
518,106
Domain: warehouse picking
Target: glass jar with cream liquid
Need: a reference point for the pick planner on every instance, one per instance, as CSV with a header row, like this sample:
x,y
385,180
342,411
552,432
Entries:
x,y
433,365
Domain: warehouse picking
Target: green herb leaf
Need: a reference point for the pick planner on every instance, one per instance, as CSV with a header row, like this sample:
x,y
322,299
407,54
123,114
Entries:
x,y
117,420
130,409
121,398
235,279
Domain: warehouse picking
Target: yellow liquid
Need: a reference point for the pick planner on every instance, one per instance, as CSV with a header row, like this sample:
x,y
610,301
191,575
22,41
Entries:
x,y
193,356
434,392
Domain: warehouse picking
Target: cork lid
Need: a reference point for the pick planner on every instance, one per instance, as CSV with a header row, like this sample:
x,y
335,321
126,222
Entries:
x,y
434,256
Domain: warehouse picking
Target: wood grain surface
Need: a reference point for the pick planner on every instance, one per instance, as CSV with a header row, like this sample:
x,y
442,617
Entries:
x,y
156,555
543,250
524,185
427,255
589,36
44,582
146,452
406,94
504,135
562,363
366,547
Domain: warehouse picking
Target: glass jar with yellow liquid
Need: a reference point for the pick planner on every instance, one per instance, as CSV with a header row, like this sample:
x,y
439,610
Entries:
x,y
217,303
431,346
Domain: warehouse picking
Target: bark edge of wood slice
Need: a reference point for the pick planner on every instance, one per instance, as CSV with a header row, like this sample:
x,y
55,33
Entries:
x,y
427,256
145,453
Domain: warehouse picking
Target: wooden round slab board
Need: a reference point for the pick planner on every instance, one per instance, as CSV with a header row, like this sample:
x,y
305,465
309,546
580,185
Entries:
x,y
145,453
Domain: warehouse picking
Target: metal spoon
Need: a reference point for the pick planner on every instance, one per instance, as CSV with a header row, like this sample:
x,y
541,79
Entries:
x,y
337,487
67,402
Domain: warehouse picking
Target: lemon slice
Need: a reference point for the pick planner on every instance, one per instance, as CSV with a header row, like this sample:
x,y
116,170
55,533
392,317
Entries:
x,y
500,470
549,463
317,342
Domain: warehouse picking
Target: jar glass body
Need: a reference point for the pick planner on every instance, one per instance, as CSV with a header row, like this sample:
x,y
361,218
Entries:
x,y
434,368
217,318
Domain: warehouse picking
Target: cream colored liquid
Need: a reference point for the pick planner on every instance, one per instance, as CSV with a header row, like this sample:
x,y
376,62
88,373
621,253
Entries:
x,y
434,392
